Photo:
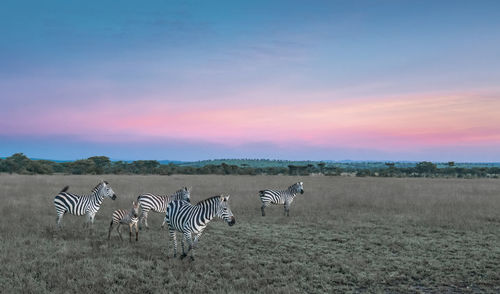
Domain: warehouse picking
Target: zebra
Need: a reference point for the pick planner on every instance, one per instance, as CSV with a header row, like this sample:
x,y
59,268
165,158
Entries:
x,y
81,205
280,197
158,203
128,217
191,219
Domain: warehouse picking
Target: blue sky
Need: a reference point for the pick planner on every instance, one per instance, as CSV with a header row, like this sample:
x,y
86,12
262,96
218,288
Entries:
x,y
265,79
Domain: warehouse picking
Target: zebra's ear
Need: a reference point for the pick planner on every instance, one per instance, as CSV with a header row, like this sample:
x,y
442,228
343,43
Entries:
x,y
226,198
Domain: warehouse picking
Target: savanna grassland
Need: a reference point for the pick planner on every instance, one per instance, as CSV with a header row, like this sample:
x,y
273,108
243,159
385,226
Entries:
x,y
344,234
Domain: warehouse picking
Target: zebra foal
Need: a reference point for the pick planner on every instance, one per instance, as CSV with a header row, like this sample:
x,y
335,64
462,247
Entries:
x,y
283,197
126,217
158,203
84,204
191,219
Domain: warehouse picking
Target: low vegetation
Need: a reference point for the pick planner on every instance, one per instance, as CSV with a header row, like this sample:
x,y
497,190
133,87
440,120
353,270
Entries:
x,y
344,234
97,165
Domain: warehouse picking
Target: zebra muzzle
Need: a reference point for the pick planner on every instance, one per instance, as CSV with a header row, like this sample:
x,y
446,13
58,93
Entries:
x,y
114,197
232,221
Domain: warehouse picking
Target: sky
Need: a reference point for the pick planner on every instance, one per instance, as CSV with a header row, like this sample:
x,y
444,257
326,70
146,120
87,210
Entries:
x,y
298,80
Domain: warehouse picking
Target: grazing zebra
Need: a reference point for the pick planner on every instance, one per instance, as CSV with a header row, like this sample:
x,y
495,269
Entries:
x,y
126,217
158,203
280,197
188,219
80,205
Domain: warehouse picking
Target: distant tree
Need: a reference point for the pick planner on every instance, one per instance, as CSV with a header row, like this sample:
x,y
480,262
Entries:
x,y
119,167
17,163
102,164
144,166
426,167
321,167
82,166
39,167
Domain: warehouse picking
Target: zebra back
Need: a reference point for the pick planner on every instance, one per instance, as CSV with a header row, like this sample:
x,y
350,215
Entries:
x,y
82,204
159,203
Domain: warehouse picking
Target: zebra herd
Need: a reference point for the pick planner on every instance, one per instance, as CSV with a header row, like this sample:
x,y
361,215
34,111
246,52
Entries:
x,y
180,214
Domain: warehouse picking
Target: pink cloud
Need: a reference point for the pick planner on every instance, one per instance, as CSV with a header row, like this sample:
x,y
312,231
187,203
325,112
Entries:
x,y
408,121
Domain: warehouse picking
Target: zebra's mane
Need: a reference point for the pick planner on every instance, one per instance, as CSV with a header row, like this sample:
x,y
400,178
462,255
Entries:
x,y
96,188
294,187
201,202
179,192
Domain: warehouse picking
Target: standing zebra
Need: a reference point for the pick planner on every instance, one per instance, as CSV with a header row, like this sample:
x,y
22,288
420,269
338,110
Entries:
x,y
80,205
126,217
187,218
158,203
280,197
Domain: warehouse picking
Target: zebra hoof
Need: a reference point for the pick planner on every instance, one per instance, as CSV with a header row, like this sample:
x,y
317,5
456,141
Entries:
x,y
183,255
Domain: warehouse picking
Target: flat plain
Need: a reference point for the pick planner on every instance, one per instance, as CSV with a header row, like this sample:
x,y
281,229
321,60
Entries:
x,y
344,234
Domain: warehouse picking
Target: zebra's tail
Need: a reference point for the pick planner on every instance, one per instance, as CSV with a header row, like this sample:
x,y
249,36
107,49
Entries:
x,y
64,189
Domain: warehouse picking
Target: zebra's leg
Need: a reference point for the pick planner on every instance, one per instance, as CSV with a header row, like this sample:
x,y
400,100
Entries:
x,y
287,209
136,232
264,205
174,238
196,239
182,245
130,232
189,241
142,218
110,227
146,219
119,232
59,219
164,222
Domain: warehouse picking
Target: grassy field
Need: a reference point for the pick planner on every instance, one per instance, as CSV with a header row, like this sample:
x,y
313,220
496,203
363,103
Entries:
x,y
343,235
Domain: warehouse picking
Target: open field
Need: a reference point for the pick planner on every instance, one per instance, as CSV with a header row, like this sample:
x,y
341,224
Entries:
x,y
343,234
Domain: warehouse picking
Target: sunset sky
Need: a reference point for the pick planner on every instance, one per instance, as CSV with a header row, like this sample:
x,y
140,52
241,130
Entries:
x,y
317,80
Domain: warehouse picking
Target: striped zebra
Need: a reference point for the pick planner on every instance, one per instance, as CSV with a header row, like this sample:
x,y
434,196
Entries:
x,y
158,203
284,197
126,217
191,219
81,205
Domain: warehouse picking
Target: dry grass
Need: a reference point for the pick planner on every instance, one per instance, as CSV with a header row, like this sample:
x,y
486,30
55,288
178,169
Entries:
x,y
344,234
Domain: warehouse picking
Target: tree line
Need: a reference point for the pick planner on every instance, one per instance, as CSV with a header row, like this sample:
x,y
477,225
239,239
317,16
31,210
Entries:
x,y
21,164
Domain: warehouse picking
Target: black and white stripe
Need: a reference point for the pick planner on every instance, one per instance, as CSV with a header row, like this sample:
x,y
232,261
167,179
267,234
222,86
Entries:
x,y
84,204
191,219
158,203
283,197
126,217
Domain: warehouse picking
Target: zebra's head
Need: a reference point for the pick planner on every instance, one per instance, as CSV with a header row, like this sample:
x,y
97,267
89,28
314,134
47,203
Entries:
x,y
224,212
297,187
135,209
107,191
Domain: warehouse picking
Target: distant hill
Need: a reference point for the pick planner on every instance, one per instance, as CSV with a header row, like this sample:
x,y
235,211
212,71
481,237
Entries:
x,y
347,164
